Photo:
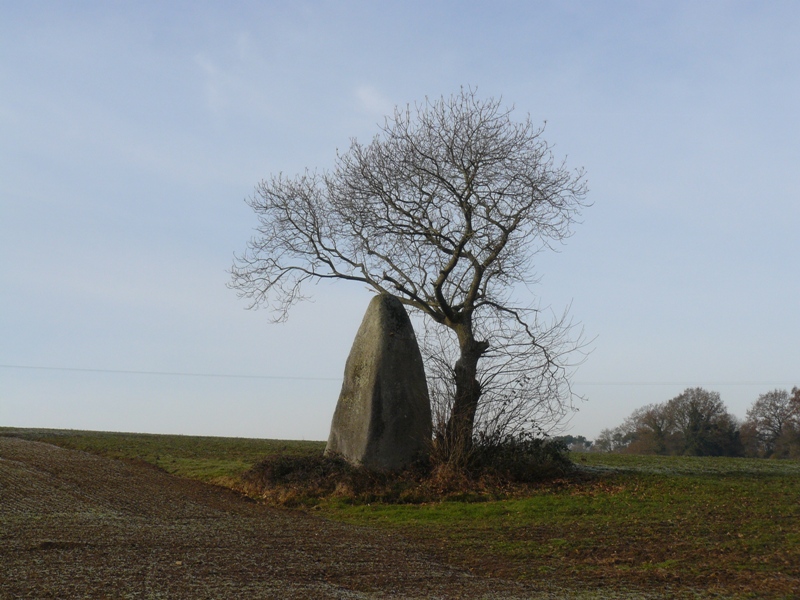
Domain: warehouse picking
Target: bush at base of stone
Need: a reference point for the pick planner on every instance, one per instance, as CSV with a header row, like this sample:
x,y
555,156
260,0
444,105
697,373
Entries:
x,y
495,468
498,461
522,459
297,480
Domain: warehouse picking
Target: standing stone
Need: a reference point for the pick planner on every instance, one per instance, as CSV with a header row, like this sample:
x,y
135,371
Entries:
x,y
383,417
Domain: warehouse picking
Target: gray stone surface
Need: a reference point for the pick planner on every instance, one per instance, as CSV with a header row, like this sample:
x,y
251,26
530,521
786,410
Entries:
x,y
383,417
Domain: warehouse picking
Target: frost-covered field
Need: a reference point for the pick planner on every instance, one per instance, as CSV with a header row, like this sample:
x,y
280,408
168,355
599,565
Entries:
x,y
75,525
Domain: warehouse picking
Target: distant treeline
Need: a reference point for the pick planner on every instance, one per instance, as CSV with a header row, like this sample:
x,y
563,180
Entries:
x,y
697,423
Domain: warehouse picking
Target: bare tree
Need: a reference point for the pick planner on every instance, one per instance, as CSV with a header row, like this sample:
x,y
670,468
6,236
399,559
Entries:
x,y
444,209
773,417
613,440
695,422
702,424
520,391
654,429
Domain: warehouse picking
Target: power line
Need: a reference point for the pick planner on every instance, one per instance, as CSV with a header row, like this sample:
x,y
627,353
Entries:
x,y
303,378
633,383
170,373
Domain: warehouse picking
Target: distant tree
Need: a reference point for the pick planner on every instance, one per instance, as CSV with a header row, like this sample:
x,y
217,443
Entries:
x,y
790,442
444,209
773,423
702,424
645,431
575,443
613,440
751,446
654,430
695,422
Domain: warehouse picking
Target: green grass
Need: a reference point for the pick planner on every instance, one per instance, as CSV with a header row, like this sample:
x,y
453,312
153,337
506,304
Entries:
x,y
707,527
702,526
210,459
687,465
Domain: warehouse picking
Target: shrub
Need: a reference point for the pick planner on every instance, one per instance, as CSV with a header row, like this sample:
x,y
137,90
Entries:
x,y
519,459
492,469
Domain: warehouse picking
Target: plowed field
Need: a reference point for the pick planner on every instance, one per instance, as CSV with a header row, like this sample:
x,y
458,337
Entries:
x,y
75,525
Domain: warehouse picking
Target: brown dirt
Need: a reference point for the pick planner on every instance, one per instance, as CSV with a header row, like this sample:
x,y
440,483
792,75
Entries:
x,y
75,525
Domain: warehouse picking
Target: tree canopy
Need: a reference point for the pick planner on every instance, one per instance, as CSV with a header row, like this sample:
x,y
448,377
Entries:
x,y
772,426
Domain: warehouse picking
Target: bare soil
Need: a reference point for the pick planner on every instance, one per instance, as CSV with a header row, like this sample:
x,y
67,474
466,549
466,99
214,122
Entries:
x,y
75,525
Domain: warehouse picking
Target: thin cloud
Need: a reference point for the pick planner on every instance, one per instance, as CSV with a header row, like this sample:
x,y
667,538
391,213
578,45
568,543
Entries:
x,y
372,101
213,84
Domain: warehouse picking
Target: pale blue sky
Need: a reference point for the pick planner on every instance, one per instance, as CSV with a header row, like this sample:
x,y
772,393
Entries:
x,y
130,133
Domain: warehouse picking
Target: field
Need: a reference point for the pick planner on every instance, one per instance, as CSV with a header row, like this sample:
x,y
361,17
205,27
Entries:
x,y
209,459
77,525
631,526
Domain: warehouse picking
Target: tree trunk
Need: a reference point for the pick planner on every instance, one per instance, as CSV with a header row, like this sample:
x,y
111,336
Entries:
x,y
468,391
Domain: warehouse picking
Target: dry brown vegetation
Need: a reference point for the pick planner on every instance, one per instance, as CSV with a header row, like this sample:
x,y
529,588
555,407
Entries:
x,y
490,471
